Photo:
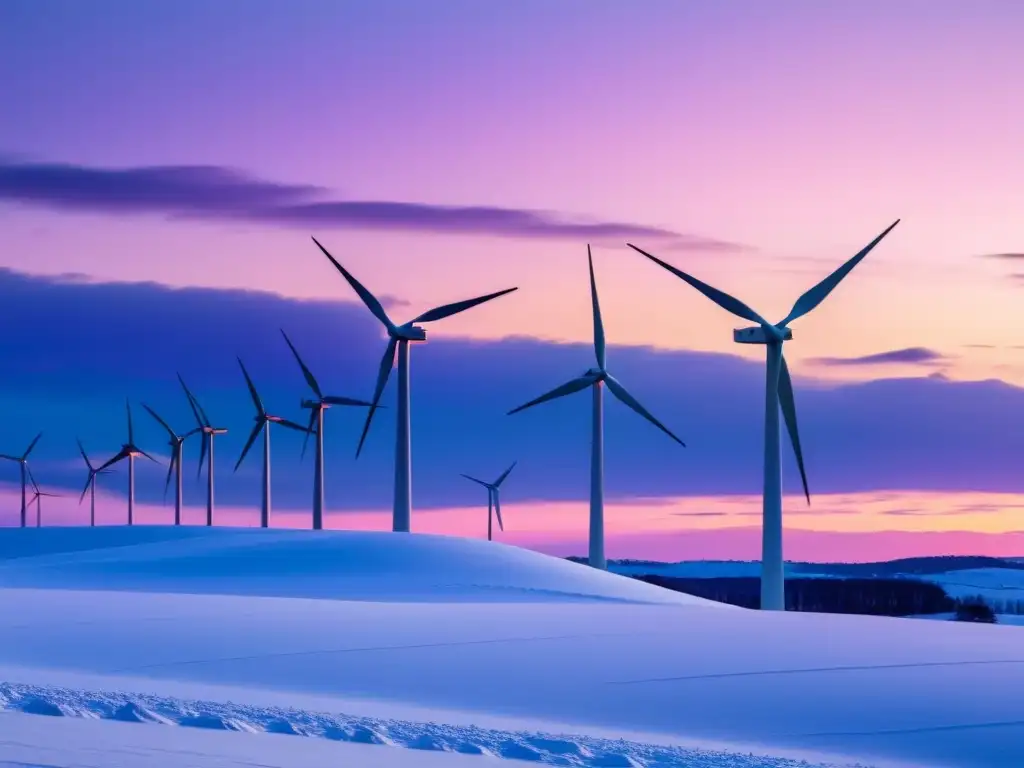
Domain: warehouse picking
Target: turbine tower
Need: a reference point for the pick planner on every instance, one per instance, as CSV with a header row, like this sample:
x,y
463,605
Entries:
x,y
209,432
316,426
37,495
778,394
596,379
263,421
399,337
176,442
493,502
22,461
128,451
90,484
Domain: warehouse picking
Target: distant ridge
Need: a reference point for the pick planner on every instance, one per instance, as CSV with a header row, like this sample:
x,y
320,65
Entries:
x,y
902,566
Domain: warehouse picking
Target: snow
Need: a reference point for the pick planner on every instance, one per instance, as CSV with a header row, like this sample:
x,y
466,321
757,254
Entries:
x,y
441,642
351,565
994,583
27,741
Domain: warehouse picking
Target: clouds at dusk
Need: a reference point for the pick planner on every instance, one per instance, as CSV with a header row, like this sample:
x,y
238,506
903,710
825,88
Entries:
x,y
80,348
210,192
907,356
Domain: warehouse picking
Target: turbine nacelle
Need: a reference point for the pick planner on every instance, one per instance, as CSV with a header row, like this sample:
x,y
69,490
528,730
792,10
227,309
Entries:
x,y
760,334
596,374
409,332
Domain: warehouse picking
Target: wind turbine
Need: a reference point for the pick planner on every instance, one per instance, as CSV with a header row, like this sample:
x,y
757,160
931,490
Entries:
x,y
596,379
778,394
37,495
90,484
209,432
263,421
176,442
493,503
316,426
399,337
22,461
128,451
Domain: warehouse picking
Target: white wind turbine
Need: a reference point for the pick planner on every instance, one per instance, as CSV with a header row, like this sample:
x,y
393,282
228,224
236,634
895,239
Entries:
x,y
90,484
208,432
399,337
176,443
596,378
128,451
778,394
316,426
263,421
37,495
493,502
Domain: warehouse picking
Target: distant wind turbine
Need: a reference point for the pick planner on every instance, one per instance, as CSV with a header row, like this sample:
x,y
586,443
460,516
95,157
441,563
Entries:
x,y
176,442
399,337
596,379
209,432
263,421
493,502
128,451
37,494
778,393
90,484
22,461
316,426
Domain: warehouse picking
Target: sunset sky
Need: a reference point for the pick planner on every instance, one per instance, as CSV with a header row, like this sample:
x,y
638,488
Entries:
x,y
164,164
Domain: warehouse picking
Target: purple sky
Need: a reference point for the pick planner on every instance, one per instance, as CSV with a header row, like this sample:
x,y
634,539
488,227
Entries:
x,y
447,150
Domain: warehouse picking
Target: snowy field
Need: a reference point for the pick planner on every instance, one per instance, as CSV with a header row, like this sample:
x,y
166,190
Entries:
x,y
293,648
989,583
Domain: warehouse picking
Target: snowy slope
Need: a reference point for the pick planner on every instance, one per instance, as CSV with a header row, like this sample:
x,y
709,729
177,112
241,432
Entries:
x,y
658,673
350,565
994,583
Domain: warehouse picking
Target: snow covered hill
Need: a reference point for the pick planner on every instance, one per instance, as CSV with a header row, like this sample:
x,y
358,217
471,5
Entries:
x,y
441,644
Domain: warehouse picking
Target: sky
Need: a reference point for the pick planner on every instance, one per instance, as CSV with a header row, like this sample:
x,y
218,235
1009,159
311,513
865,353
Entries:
x,y
164,165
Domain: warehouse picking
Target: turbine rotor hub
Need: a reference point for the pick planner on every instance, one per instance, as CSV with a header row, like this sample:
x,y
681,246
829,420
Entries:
x,y
410,332
762,335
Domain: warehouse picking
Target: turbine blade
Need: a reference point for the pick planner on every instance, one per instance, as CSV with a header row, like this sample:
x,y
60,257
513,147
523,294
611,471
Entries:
x,y
291,425
497,511
335,400
81,450
146,455
817,294
722,299
447,310
202,455
368,298
504,474
86,489
387,362
111,461
309,431
788,405
248,443
599,345
192,403
481,482
170,470
252,389
162,423
307,374
31,446
620,392
131,433
568,388
32,479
